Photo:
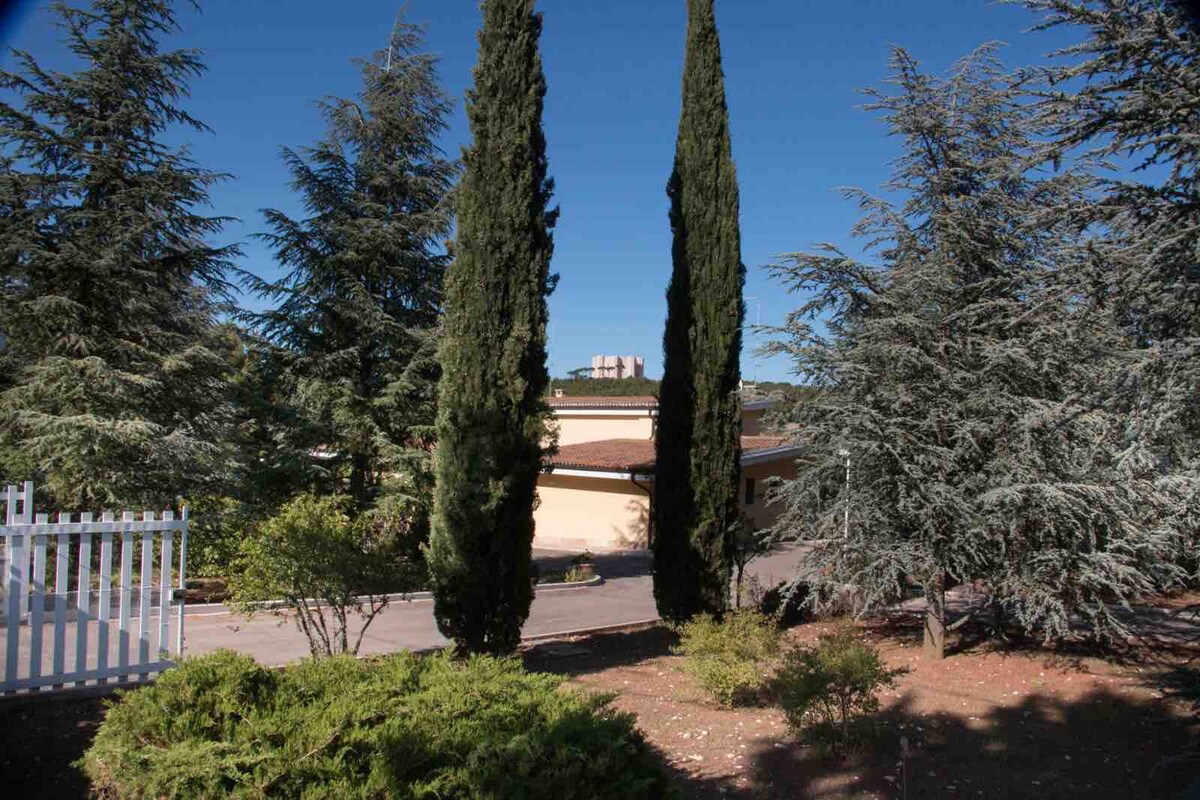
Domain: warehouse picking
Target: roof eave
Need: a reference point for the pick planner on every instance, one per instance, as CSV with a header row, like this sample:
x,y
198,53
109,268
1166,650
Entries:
x,y
598,472
770,454
642,473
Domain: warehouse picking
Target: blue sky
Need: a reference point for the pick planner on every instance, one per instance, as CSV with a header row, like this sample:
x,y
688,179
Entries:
x,y
793,68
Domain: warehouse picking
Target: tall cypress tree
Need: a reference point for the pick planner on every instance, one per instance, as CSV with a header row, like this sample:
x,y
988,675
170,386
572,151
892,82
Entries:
x,y
492,415
120,387
356,314
698,446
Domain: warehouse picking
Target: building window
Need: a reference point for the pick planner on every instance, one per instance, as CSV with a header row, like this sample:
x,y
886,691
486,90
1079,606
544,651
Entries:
x,y
749,491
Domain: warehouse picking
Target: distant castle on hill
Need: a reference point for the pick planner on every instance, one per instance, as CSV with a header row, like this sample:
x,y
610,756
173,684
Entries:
x,y
618,367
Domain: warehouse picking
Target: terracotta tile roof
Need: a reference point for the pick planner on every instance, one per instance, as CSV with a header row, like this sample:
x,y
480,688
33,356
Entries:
x,y
752,443
618,455
635,455
604,402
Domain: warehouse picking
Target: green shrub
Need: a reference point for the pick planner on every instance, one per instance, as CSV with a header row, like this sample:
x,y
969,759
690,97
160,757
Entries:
x,y
827,690
324,566
729,658
218,524
403,727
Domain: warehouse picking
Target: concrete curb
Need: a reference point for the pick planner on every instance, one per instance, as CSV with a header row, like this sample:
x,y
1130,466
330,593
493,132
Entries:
x,y
615,628
595,580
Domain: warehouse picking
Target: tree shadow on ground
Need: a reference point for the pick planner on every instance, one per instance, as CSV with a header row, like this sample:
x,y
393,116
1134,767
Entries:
x,y
40,739
1102,745
599,651
906,628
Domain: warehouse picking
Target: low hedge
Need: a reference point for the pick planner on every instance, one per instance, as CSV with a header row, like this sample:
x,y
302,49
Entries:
x,y
405,726
730,659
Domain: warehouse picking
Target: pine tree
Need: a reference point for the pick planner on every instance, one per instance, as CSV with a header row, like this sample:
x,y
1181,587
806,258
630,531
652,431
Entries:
x,y
119,377
272,434
492,415
698,444
1189,10
955,375
354,319
1125,101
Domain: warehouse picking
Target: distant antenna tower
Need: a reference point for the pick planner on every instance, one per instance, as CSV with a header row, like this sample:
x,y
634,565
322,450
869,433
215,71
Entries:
x,y
757,324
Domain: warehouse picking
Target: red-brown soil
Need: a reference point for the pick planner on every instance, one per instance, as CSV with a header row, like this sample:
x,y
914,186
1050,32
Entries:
x,y
985,723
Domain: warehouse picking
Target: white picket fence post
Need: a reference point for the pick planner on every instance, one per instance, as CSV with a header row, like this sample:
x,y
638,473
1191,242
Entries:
x,y
39,658
16,570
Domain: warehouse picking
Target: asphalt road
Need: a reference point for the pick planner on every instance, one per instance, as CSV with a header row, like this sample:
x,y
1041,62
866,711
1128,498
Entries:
x,y
624,598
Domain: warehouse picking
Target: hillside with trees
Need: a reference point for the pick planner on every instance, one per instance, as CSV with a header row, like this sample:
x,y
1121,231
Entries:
x,y
605,387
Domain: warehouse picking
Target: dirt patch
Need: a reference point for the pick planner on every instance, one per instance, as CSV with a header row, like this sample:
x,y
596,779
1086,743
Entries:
x,y
982,723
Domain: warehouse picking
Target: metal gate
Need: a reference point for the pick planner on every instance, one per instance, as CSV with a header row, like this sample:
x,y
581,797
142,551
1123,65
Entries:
x,y
93,624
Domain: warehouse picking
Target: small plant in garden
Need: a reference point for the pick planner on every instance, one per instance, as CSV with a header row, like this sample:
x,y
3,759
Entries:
x,y
404,726
583,567
217,527
827,690
728,658
749,543
323,567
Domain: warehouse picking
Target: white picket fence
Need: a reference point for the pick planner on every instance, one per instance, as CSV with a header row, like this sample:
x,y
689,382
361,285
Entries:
x,y
39,652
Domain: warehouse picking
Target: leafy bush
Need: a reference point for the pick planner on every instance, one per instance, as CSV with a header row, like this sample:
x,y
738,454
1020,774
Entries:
x,y
403,727
728,658
398,524
217,526
826,690
324,567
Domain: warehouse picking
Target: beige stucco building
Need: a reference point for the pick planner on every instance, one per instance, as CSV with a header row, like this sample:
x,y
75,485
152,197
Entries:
x,y
598,489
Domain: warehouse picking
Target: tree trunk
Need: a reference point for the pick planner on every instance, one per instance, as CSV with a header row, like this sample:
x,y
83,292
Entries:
x,y
935,618
359,467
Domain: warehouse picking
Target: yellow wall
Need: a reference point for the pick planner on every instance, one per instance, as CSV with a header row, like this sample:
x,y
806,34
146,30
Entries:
x,y
575,429
612,514
598,513
764,516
